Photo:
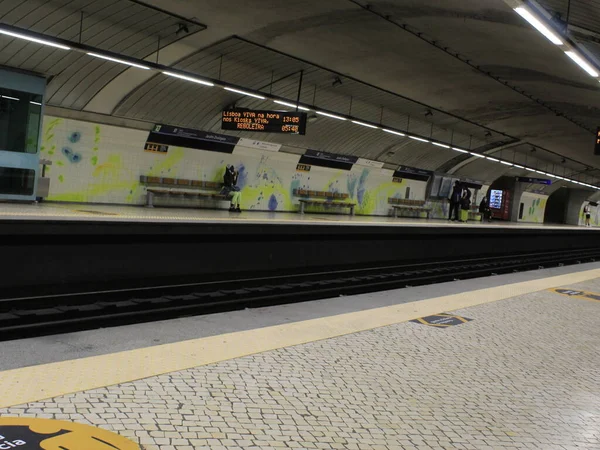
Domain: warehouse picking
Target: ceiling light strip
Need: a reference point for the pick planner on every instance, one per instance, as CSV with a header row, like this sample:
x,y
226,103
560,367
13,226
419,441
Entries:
x,y
333,116
290,105
416,138
582,63
117,60
33,39
362,124
538,25
249,94
186,78
397,133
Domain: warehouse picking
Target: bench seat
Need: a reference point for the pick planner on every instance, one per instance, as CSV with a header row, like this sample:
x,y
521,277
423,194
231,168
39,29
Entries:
x,y
323,198
178,187
397,208
401,204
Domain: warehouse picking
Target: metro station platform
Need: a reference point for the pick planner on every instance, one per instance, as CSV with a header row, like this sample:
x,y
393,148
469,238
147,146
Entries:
x,y
139,214
508,362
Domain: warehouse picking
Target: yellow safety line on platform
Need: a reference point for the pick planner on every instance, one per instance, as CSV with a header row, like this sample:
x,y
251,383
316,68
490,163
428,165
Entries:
x,y
35,383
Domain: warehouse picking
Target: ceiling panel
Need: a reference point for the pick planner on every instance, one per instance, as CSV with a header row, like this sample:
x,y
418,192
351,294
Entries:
x,y
120,26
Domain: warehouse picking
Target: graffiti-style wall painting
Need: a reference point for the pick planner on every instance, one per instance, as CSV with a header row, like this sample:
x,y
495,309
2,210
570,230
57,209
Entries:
x,y
97,163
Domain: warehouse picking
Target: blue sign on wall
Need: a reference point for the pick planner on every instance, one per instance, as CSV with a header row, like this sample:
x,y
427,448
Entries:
x,y
534,180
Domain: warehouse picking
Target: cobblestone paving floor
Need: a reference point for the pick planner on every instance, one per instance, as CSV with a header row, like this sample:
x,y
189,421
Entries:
x,y
524,374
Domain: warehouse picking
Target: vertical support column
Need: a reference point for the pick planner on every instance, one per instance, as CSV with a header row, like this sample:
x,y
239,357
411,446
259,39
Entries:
x,y
516,193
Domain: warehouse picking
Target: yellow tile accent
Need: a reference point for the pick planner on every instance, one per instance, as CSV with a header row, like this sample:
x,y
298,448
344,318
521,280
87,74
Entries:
x,y
50,380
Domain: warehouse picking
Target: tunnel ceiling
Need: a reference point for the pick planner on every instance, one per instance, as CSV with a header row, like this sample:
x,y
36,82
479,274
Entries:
x,y
395,59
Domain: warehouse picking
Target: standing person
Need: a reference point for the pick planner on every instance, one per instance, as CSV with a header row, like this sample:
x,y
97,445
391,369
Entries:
x,y
587,210
454,200
465,205
485,210
230,188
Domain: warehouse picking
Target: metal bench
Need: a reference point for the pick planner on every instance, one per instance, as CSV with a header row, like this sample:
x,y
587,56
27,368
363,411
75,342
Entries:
x,y
400,204
177,187
329,199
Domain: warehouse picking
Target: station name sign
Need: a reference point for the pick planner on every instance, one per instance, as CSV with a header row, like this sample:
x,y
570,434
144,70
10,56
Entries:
x,y
264,121
534,180
412,173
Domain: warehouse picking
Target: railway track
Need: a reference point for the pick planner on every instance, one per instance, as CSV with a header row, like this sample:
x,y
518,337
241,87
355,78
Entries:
x,y
22,317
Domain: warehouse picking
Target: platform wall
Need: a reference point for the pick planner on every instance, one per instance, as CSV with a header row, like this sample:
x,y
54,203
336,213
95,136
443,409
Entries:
x,y
534,207
96,163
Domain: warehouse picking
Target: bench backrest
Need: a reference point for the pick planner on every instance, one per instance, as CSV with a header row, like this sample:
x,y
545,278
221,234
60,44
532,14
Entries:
x,y
320,194
200,184
405,202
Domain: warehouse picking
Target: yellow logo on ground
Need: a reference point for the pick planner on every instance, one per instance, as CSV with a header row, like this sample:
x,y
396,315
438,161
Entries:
x,y
43,434
577,294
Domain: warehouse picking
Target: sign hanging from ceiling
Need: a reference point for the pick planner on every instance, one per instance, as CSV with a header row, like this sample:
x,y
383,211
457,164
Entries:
x,y
264,121
534,180
412,173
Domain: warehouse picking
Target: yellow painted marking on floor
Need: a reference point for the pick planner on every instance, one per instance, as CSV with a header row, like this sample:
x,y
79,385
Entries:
x,y
30,384
577,293
424,322
73,436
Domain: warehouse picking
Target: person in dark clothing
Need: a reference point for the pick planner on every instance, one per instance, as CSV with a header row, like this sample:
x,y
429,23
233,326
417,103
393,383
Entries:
x,y
465,204
485,210
230,188
454,200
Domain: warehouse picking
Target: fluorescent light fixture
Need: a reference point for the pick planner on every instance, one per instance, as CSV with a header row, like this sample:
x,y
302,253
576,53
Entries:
x,y
368,125
32,39
441,145
492,159
538,171
36,103
582,63
120,61
519,167
538,25
10,98
331,115
418,139
249,94
397,133
506,163
477,155
291,105
459,150
193,80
